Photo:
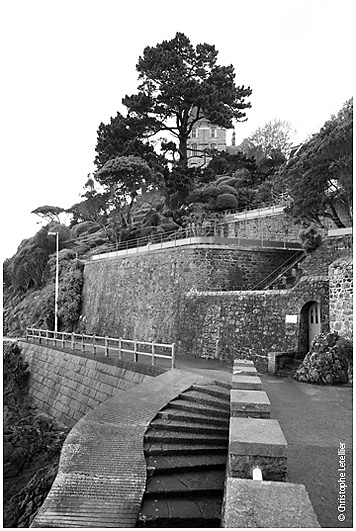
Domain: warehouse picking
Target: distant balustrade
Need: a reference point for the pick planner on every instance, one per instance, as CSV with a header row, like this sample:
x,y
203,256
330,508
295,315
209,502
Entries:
x,y
108,346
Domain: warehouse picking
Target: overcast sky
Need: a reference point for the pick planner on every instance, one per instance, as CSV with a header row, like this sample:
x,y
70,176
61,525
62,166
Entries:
x,y
68,64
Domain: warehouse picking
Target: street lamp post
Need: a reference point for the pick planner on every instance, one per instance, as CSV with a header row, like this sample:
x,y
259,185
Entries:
x,y
57,281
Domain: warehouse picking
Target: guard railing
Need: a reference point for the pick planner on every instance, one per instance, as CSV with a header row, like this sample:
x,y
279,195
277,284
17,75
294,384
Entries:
x,y
104,345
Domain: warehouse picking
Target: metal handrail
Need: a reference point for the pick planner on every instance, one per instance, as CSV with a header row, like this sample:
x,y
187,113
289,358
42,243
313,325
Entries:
x,y
207,229
104,342
280,270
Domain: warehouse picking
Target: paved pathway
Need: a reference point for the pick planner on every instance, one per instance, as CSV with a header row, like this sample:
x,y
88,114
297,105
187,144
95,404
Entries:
x,y
314,420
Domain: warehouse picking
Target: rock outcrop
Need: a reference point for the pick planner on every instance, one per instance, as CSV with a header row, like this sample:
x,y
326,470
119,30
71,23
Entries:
x,y
32,445
327,362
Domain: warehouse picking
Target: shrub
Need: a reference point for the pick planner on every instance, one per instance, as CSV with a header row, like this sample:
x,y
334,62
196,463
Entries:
x,y
229,181
226,202
226,189
70,295
345,347
222,178
243,174
82,228
310,237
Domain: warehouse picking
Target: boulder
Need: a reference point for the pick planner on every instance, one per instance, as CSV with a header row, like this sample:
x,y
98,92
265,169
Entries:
x,y
327,362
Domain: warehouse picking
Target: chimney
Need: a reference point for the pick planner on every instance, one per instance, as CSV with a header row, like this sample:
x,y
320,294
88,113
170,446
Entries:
x,y
233,140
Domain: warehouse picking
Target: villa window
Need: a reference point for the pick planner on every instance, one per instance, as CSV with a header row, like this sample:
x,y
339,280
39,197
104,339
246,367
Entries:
x,y
194,149
194,132
213,132
213,145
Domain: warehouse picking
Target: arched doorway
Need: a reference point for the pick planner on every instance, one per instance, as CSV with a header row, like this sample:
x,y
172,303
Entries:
x,y
310,325
314,324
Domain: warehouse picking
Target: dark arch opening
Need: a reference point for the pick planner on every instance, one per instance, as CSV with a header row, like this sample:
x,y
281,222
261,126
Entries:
x,y
304,335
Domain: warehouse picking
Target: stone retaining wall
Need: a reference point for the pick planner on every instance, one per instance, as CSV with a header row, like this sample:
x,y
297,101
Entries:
x,y
66,386
341,297
249,324
269,226
139,296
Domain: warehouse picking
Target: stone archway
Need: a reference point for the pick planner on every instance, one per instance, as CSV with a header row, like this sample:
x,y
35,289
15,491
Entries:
x,y
310,325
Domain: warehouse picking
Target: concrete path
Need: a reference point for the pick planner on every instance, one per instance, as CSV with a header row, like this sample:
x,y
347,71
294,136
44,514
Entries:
x,y
315,420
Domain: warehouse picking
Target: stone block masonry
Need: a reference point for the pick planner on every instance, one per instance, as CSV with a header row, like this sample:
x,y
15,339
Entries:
x,y
140,296
249,324
66,386
341,297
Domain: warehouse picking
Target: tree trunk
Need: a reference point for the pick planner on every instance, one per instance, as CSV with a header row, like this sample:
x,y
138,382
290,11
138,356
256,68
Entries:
x,y
183,151
334,215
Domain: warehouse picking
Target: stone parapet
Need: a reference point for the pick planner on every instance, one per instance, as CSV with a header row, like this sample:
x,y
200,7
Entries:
x,y
256,442
256,492
247,403
242,381
267,504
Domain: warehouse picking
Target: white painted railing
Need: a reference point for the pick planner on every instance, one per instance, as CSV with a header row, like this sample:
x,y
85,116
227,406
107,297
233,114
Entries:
x,y
107,345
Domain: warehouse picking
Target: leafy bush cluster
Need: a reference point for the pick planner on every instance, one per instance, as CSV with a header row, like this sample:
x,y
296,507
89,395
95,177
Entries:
x,y
310,237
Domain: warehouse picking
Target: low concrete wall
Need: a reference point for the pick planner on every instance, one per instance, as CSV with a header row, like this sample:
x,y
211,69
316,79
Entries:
x,y
257,442
66,385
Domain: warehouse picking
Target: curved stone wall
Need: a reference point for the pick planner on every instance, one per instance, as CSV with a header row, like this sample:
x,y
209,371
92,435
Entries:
x,y
66,386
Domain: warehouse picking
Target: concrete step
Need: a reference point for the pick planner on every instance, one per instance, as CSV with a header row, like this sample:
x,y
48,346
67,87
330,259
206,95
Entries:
x,y
185,426
171,464
195,407
196,512
196,416
213,390
192,483
183,449
205,399
168,436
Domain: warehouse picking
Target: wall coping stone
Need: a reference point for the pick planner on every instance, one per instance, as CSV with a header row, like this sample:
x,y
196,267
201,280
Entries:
x,y
253,436
243,381
246,371
246,401
243,363
267,504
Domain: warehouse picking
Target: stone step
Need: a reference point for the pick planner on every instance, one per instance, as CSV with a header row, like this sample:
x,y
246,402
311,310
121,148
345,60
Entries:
x,y
194,415
204,511
185,426
222,384
213,390
154,435
171,464
183,449
204,399
195,407
192,483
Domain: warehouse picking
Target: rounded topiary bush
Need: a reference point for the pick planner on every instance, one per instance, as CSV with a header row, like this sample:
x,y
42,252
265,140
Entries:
x,y
222,178
82,228
226,189
226,202
229,181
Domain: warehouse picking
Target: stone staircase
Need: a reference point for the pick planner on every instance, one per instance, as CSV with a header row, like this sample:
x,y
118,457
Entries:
x,y
186,451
